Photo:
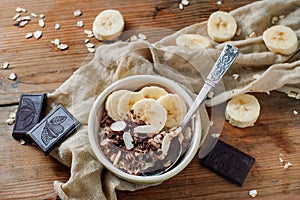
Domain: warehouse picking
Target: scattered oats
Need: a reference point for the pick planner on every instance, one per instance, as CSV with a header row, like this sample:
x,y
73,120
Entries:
x,y
90,45
5,65
256,76
133,38
42,16
91,50
215,135
28,18
252,35
19,19
77,13
281,16
88,32
62,46
180,6
90,35
281,160
298,96
41,23
118,126
219,3
57,26
56,42
238,32
292,94
268,92
252,193
287,165
12,115
86,41
295,112
10,121
142,36
28,35
34,15
19,9
12,76
23,23
80,24
275,18
16,16
210,94
235,76
128,140
185,2
38,34
22,142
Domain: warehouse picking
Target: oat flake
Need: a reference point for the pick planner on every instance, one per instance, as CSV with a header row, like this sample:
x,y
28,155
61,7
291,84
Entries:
x,y
28,35
16,16
5,65
62,46
57,26
185,2
10,121
77,13
42,16
41,23
91,50
12,76
23,23
90,45
180,6
38,34
80,24
86,41
34,15
253,193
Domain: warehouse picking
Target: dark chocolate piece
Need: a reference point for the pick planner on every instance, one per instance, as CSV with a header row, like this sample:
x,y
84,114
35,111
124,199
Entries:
x,y
228,162
53,129
29,113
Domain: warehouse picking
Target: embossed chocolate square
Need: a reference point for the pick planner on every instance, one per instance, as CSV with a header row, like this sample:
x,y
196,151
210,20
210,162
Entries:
x,y
229,162
29,113
53,129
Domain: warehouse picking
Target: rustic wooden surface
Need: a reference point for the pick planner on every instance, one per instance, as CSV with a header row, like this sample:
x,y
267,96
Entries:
x,y
27,174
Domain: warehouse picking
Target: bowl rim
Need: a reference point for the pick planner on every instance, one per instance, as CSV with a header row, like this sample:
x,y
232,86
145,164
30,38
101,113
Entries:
x,y
152,79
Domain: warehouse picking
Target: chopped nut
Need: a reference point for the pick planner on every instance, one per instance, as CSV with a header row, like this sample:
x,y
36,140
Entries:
x,y
5,65
117,158
28,35
77,13
12,115
235,76
210,94
238,32
10,121
219,3
142,36
252,35
80,24
133,38
41,23
298,96
12,76
253,193
16,16
281,16
38,34
57,26
292,94
215,135
22,141
256,76
281,160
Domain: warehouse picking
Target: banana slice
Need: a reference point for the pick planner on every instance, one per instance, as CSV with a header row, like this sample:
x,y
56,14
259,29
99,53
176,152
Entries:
x,y
126,102
175,107
242,111
153,92
281,39
112,102
108,25
151,112
192,42
221,26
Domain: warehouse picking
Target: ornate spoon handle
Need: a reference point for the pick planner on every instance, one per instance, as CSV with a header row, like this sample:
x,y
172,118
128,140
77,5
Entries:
x,y
226,58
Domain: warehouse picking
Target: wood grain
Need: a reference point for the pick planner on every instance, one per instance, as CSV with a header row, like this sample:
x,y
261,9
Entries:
x,y
27,174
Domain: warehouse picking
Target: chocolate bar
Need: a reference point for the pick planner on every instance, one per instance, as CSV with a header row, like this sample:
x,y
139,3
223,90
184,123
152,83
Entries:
x,y
53,129
228,162
29,113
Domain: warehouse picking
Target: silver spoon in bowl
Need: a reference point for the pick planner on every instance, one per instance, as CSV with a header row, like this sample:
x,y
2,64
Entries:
x,y
226,58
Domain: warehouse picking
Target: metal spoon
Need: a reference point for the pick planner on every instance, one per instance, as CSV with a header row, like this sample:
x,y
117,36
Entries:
x,y
226,58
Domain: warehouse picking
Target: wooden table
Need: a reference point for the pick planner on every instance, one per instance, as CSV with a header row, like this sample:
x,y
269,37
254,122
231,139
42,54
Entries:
x,y
27,174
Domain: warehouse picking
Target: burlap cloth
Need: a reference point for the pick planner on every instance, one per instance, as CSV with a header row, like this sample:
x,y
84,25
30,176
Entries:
x,y
89,179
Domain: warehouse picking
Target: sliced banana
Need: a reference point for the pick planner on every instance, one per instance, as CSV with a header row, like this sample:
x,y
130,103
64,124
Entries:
x,y
151,112
175,107
242,111
126,102
221,26
108,25
192,42
281,39
153,92
112,102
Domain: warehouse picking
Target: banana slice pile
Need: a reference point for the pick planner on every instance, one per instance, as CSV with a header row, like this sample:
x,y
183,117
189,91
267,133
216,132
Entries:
x,y
242,111
152,105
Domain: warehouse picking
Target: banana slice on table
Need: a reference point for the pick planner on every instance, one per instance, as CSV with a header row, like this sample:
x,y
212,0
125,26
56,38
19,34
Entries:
x,y
112,102
153,92
242,111
126,102
281,39
151,112
175,107
192,42
108,25
221,26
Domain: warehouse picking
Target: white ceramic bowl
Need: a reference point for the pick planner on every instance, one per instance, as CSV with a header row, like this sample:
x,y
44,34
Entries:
x,y
133,83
